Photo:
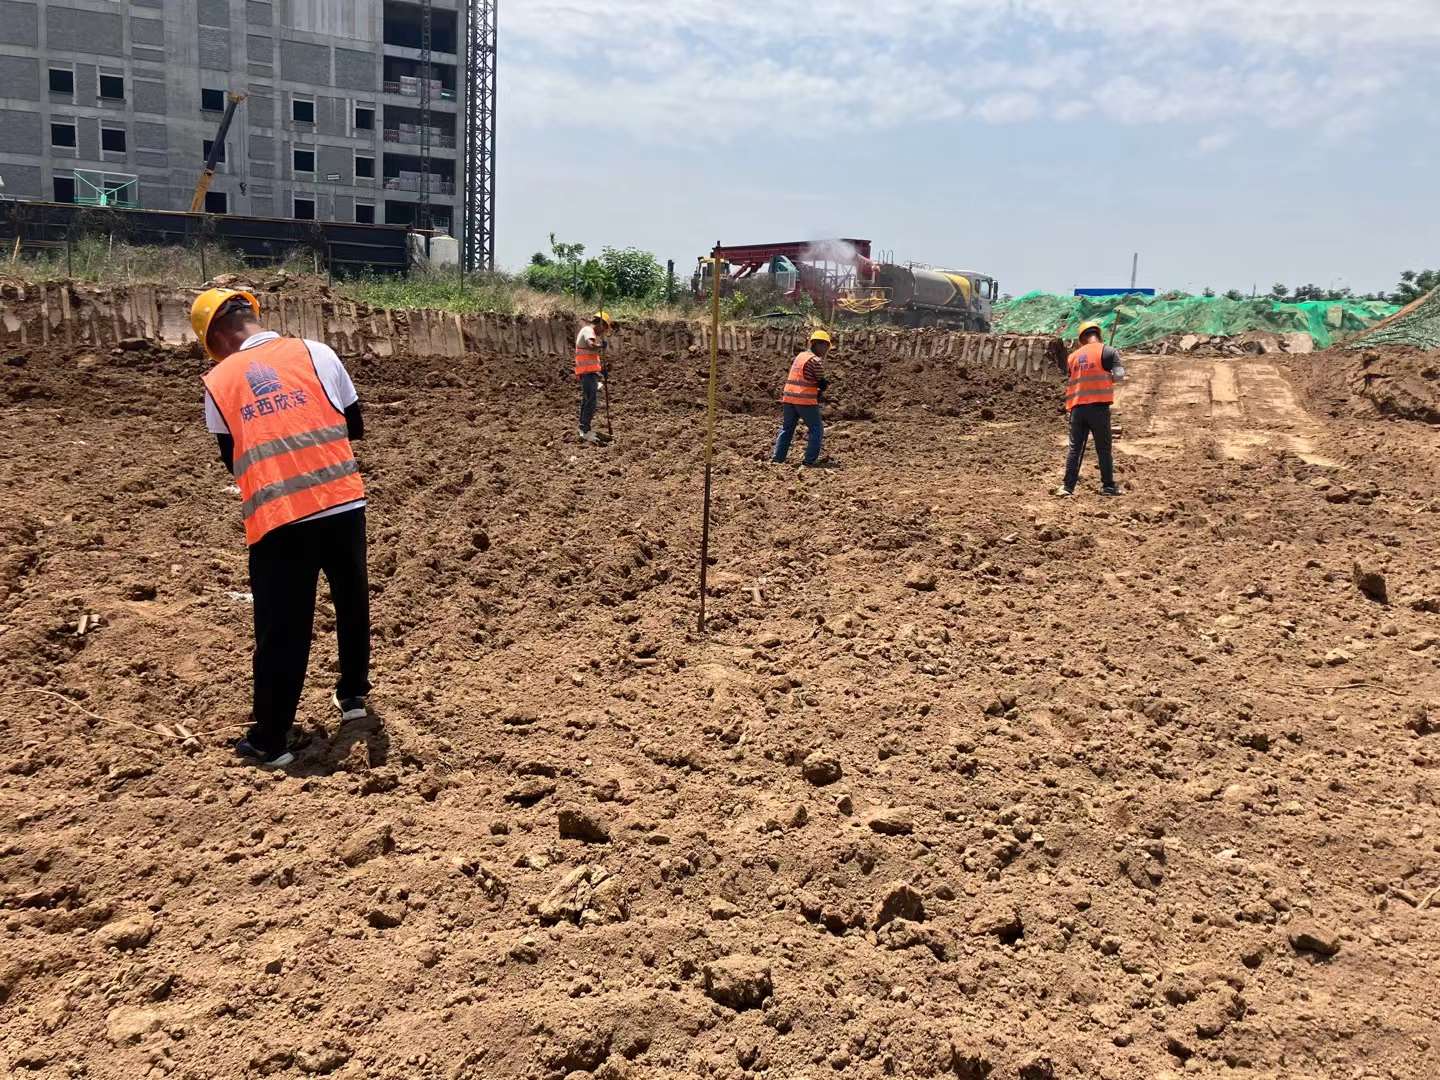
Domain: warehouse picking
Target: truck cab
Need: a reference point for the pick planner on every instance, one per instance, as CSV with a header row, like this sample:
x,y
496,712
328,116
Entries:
x,y
984,291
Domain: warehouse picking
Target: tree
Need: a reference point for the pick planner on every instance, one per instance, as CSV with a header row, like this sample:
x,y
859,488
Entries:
x,y
1208,291
566,253
1308,292
634,274
557,272
596,283
1279,291
1415,284
1234,294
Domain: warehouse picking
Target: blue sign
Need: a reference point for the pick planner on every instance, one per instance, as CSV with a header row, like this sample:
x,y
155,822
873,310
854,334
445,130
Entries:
x,y
1114,292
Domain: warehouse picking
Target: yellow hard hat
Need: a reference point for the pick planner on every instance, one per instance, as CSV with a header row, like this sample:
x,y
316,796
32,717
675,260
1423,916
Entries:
x,y
1085,328
821,335
603,316
208,304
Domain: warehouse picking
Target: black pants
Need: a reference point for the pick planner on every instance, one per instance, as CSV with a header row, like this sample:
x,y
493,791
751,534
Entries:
x,y
1087,420
285,567
589,391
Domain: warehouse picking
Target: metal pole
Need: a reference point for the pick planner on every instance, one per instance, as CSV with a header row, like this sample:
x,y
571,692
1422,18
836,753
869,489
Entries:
x,y
710,426
1134,270
330,265
69,255
609,431
669,281
204,271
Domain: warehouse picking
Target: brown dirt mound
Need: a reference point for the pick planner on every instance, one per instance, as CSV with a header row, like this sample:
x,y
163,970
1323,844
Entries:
x,y
1393,382
965,781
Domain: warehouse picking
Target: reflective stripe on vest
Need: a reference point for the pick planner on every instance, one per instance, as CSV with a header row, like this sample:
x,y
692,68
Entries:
x,y
1090,383
292,460
798,389
289,443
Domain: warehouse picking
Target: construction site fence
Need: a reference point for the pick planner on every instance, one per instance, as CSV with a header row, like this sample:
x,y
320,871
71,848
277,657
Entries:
x,y
79,317
1134,319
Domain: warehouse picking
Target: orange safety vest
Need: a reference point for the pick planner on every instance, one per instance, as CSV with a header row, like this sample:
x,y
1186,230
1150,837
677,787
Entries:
x,y
798,389
587,359
292,448
1090,383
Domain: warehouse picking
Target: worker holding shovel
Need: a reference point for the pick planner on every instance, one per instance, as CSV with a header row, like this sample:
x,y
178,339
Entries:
x,y
284,411
800,400
590,345
1089,391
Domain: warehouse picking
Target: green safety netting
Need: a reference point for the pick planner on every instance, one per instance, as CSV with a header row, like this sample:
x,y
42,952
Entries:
x,y
1419,325
1144,319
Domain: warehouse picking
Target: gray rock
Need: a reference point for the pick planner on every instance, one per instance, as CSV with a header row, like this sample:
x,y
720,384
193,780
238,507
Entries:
x,y
322,1058
920,579
1314,938
722,910
586,895
738,982
385,918
584,825
821,768
367,844
1371,583
891,821
899,900
124,1025
126,935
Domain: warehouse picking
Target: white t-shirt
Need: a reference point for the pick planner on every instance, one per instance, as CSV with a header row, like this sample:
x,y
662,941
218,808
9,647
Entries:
x,y
586,338
333,378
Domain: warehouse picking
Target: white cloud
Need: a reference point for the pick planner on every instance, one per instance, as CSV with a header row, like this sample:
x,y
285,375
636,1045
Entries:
x,y
679,70
1008,108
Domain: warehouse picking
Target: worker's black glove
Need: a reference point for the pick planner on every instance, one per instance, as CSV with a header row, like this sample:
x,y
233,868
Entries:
x,y
824,385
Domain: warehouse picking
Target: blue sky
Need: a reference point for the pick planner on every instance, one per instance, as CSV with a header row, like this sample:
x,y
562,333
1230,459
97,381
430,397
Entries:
x,y
1230,142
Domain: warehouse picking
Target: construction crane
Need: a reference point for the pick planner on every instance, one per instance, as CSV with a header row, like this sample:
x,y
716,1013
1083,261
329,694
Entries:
x,y
217,148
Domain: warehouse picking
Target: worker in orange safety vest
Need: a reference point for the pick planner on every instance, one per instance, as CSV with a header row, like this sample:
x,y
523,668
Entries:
x,y
1090,373
284,412
590,344
800,400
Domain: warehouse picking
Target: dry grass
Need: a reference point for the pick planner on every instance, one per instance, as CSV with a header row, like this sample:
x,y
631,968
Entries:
x,y
100,260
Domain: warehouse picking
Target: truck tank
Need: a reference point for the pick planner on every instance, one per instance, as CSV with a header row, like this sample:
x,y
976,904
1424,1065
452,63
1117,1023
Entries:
x,y
925,288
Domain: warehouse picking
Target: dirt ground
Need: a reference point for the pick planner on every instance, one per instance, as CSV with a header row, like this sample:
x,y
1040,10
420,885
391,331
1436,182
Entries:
x,y
964,781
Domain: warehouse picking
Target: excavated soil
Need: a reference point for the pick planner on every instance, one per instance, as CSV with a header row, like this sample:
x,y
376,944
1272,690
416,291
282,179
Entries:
x,y
1393,382
963,781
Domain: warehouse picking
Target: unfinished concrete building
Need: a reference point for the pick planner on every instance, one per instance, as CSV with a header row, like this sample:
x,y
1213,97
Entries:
x,y
118,104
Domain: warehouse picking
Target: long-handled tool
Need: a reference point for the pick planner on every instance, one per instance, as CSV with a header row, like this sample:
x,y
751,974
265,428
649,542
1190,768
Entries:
x,y
1119,372
605,388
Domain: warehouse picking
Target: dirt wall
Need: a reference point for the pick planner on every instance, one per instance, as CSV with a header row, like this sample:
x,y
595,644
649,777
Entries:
x,y
80,317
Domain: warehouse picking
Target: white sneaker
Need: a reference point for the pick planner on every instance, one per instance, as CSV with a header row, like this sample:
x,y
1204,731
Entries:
x,y
1064,493
352,708
589,436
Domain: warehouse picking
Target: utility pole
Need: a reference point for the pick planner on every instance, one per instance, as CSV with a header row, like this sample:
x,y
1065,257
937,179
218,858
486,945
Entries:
x,y
1134,270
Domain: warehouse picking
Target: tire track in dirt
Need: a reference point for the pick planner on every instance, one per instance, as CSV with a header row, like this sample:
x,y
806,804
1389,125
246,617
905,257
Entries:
x,y
1237,407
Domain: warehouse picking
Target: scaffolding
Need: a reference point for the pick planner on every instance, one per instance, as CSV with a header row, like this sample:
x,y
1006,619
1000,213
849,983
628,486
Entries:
x,y
477,241
106,189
